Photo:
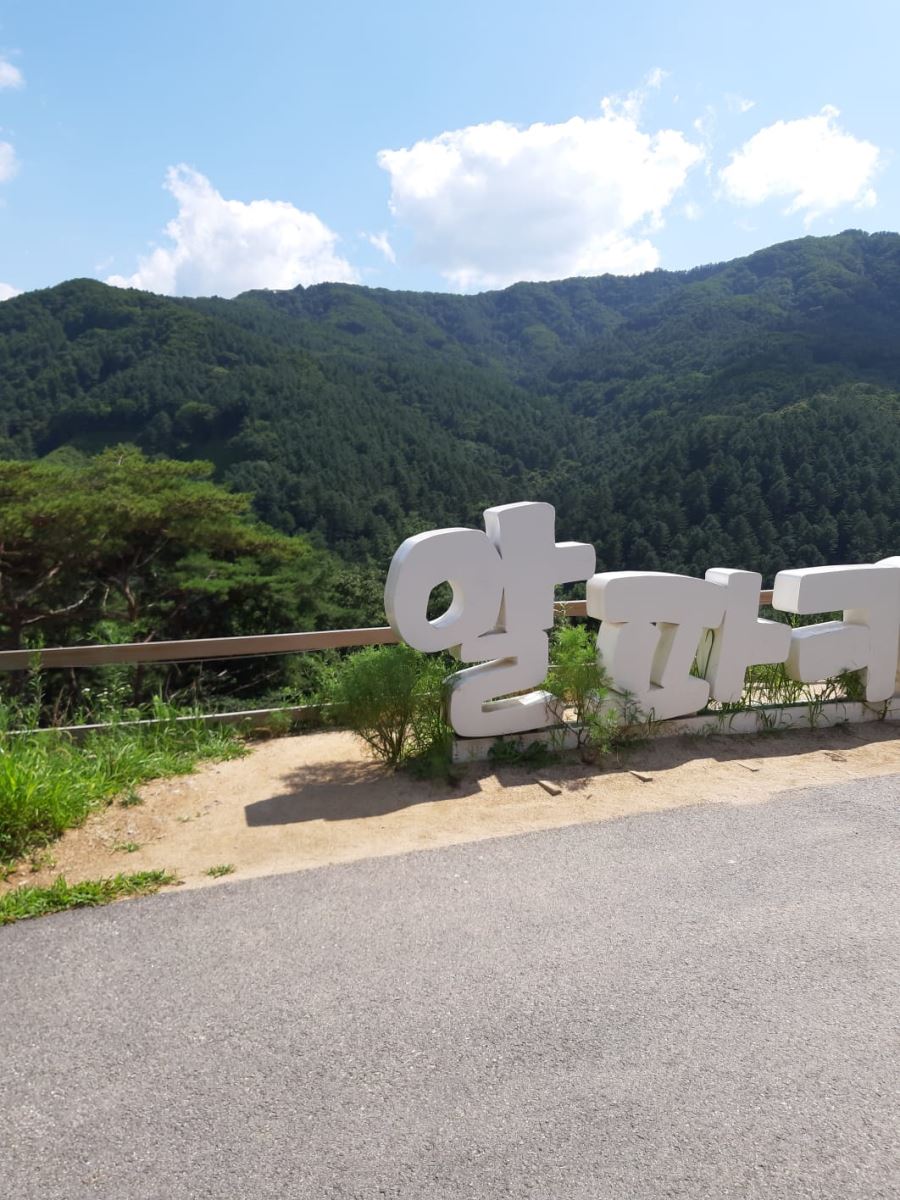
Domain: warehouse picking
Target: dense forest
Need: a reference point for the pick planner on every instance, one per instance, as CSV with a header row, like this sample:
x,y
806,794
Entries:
x,y
745,414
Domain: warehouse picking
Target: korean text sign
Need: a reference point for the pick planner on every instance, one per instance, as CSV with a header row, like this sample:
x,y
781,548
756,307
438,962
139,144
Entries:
x,y
503,582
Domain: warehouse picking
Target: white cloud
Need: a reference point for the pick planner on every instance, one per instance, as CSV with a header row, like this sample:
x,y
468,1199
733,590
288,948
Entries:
x,y
223,247
705,124
7,291
10,76
491,204
9,164
692,211
380,242
738,104
811,160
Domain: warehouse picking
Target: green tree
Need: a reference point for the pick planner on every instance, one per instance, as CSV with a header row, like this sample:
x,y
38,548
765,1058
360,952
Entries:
x,y
133,540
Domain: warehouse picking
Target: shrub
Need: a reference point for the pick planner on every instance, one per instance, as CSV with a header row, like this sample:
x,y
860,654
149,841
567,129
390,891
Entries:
x,y
391,697
576,680
582,700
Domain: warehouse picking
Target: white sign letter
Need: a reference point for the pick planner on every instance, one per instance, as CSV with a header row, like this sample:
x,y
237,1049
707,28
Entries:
x,y
744,638
866,639
651,626
503,585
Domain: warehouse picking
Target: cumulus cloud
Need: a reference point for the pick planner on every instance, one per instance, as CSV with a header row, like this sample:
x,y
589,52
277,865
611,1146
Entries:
x,y
10,76
494,203
812,160
7,291
222,247
9,164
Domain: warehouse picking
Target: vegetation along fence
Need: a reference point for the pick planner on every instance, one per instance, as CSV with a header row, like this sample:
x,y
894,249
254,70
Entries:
x,y
219,649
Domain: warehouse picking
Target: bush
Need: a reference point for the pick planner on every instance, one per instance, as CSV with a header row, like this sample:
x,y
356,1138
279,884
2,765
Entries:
x,y
576,680
582,701
391,697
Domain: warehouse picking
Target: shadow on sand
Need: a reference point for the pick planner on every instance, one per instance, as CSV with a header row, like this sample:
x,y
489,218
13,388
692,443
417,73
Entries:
x,y
347,791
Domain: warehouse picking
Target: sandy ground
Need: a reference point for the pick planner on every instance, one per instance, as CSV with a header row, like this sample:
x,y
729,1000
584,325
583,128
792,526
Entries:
x,y
300,802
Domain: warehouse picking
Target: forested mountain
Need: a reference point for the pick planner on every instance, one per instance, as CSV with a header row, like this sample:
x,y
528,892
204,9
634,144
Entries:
x,y
745,414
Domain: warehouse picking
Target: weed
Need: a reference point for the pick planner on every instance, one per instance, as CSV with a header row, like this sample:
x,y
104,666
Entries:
x,y
815,708
131,798
767,722
505,752
220,869
277,724
27,901
41,861
127,847
434,763
603,721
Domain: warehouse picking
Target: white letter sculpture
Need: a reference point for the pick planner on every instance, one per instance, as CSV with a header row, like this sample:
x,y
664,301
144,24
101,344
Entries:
x,y
867,637
743,639
503,583
894,562
651,624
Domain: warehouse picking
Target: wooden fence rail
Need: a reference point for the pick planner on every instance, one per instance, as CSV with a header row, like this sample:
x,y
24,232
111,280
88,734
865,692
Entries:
x,y
213,649
205,649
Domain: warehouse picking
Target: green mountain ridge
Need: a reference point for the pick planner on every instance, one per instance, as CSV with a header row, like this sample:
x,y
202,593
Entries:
x,y
740,414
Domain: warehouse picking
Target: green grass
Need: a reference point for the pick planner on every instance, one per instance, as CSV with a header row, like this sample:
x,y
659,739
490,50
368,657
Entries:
x,y
220,869
49,783
26,901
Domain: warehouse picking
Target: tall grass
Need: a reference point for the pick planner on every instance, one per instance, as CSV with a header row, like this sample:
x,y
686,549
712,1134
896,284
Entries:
x,y
49,782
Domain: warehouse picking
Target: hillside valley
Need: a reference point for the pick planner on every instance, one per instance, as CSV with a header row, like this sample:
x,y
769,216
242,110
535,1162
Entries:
x,y
743,414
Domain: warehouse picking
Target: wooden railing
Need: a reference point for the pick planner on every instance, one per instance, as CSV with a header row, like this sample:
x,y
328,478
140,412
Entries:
x,y
203,649
214,649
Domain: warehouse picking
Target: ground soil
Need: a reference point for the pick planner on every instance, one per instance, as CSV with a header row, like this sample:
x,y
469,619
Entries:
x,y
299,802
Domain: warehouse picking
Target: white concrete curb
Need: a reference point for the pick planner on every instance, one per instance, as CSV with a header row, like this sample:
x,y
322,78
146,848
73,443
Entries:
x,y
766,718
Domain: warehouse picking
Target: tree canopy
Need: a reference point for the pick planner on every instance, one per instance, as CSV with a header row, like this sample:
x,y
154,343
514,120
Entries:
x,y
154,546
744,413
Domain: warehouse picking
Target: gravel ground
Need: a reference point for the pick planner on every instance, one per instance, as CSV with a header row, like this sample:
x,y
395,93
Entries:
x,y
693,1003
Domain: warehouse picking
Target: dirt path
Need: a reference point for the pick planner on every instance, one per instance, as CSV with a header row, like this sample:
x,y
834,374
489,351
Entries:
x,y
300,802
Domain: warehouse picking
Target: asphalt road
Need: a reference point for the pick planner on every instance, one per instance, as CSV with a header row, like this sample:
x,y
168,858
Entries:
x,y
699,1003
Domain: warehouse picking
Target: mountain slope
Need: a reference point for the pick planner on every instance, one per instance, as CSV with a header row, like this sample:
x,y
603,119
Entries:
x,y
744,414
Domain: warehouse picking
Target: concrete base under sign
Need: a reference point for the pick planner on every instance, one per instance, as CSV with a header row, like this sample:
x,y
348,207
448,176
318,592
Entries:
x,y
765,719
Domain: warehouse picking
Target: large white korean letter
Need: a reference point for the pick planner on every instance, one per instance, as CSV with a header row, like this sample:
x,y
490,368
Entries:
x,y
514,656
466,560
519,660
867,637
534,562
893,562
744,638
503,587
651,626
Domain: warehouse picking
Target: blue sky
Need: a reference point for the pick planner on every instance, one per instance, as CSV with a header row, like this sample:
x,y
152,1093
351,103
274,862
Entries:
x,y
198,146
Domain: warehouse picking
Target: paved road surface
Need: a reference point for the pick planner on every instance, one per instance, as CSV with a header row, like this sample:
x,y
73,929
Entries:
x,y
699,1003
